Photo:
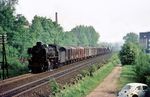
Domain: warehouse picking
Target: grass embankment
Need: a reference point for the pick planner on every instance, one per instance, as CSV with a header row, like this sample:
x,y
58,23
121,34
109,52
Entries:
x,y
127,75
88,83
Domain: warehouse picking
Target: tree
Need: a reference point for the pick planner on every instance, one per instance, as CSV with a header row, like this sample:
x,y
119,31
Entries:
x,y
131,37
86,35
10,3
13,26
130,50
128,54
36,29
68,38
142,68
7,18
21,38
45,30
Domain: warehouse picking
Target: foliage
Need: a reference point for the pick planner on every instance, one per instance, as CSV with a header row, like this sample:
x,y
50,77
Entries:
x,y
139,72
91,70
86,35
142,67
54,86
148,80
45,30
130,50
9,2
115,59
84,73
131,38
127,76
132,54
128,54
16,68
7,19
69,38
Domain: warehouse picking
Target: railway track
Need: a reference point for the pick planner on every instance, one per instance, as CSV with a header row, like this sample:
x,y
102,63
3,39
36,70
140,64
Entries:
x,y
44,88
38,81
13,79
27,78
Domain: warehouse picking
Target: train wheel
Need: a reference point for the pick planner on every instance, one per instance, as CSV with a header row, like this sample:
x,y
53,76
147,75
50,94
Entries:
x,y
56,65
40,69
35,69
45,66
60,64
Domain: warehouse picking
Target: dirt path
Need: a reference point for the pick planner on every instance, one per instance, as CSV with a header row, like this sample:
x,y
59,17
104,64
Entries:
x,y
108,87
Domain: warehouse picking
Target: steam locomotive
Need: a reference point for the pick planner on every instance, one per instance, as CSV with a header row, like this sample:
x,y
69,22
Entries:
x,y
44,57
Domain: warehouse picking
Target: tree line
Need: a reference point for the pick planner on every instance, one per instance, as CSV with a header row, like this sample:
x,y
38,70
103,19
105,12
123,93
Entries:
x,y
21,35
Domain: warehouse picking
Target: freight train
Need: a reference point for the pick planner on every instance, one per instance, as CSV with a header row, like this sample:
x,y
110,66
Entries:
x,y
45,57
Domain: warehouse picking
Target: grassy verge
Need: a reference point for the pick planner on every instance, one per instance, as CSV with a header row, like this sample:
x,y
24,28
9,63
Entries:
x,y
85,86
127,75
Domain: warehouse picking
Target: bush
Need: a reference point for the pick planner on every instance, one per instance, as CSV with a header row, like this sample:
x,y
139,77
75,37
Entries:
x,y
84,73
15,67
54,86
148,80
128,54
142,68
91,70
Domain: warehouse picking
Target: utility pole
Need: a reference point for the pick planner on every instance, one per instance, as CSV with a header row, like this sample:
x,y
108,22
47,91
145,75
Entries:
x,y
4,64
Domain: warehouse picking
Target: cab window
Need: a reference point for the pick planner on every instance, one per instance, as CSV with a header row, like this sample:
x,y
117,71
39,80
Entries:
x,y
138,87
145,87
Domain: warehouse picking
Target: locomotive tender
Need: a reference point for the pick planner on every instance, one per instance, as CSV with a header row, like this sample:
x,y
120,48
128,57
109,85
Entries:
x,y
45,57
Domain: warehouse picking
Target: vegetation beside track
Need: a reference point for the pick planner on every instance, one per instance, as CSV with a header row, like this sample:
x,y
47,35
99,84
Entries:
x,y
135,62
127,76
89,82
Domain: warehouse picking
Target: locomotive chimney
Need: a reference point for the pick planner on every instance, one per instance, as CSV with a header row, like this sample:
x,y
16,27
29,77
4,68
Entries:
x,y
56,19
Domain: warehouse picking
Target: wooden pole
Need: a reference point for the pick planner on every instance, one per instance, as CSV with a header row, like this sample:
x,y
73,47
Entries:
x,y
4,58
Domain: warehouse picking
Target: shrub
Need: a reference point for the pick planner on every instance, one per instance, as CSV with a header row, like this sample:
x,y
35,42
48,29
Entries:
x,y
148,80
91,70
15,67
84,73
128,54
54,86
142,68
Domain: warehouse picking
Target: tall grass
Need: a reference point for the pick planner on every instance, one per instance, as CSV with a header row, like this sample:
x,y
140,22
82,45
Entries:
x,y
127,75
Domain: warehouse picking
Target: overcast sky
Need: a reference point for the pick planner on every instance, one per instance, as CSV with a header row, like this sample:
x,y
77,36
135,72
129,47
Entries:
x,y
112,19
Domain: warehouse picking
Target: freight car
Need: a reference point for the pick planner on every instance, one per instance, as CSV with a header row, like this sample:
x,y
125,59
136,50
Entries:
x,y
45,57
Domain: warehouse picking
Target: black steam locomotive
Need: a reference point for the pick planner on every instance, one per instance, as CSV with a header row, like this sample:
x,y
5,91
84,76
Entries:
x,y
45,57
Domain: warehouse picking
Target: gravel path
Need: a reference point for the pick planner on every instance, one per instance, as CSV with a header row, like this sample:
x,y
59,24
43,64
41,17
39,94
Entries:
x,y
108,87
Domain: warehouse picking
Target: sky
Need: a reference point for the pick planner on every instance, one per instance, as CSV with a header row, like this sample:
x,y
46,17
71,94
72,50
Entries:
x,y
112,19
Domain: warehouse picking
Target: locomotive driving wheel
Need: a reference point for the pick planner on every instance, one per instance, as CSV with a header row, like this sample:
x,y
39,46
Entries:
x,y
36,69
46,66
